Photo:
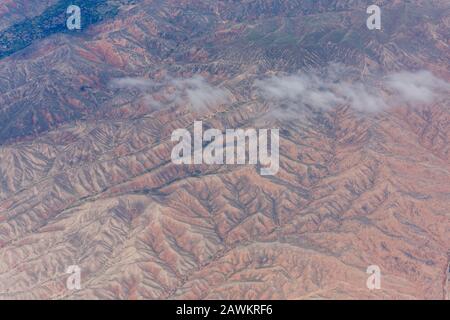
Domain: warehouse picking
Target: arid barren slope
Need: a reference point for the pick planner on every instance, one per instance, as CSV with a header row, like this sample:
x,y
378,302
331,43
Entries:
x,y
87,177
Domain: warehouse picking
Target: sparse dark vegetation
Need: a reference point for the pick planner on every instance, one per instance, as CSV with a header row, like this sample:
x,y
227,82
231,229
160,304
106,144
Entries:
x,y
52,21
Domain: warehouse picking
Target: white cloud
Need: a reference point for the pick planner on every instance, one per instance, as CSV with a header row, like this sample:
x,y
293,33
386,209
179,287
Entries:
x,y
196,93
326,90
299,89
420,87
201,95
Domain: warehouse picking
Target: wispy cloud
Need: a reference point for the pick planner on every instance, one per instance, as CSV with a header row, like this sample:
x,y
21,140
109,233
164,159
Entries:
x,y
201,95
420,87
196,93
326,90
323,89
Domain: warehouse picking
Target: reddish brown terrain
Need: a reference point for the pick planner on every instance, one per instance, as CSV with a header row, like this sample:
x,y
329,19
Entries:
x,y
87,179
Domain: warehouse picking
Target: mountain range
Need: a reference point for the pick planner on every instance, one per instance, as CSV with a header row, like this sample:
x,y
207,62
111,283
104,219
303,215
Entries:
x,y
85,151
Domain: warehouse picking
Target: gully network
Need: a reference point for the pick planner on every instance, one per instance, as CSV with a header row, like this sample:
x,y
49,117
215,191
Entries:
x,y
212,147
